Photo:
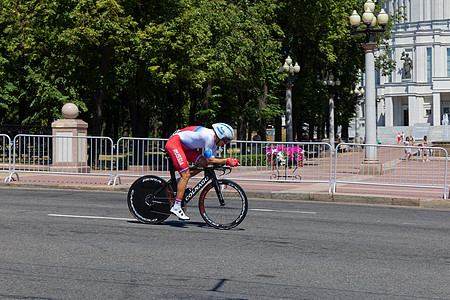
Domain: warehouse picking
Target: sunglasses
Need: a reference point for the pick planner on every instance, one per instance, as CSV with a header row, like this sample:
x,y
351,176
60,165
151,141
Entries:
x,y
226,141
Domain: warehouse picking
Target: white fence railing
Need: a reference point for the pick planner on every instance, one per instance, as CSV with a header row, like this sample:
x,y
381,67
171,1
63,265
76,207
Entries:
x,y
276,161
137,157
412,166
5,154
261,161
81,155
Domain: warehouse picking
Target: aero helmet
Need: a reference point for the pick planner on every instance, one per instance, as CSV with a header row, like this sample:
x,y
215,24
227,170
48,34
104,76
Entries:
x,y
223,131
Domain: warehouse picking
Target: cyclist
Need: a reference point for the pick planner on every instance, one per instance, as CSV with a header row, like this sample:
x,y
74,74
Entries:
x,y
182,148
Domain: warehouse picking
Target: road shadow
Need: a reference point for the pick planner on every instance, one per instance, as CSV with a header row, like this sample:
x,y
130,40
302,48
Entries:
x,y
181,224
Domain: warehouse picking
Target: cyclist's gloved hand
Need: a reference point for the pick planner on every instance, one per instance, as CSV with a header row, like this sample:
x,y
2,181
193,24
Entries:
x,y
232,162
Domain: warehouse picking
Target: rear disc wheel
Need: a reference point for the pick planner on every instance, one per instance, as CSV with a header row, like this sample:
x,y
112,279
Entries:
x,y
149,199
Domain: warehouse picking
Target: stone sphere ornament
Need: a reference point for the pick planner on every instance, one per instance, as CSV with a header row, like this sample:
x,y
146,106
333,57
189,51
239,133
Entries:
x,y
69,111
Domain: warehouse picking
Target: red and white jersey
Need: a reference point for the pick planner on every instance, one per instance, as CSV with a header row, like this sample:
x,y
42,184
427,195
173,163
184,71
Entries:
x,y
194,137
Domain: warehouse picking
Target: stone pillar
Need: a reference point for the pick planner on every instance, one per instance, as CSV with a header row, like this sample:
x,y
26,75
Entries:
x,y
389,116
70,153
412,110
436,109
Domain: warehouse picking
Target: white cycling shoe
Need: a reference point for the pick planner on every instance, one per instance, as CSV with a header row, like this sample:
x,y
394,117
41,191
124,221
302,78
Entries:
x,y
179,213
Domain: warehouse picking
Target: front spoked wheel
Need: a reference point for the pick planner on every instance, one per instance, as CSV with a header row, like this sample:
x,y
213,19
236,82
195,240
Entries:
x,y
149,199
226,216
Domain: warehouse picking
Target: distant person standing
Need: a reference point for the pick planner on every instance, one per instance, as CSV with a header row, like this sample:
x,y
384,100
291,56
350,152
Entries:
x,y
408,150
426,152
398,138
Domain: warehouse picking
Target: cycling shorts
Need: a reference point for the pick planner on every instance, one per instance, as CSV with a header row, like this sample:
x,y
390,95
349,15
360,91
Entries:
x,y
180,154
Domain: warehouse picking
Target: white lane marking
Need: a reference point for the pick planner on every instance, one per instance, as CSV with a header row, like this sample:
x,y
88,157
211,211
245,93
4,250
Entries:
x,y
284,211
129,219
91,217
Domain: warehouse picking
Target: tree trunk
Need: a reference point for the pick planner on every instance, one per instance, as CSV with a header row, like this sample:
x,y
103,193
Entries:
x,y
171,114
138,114
100,94
242,124
193,107
278,129
299,129
262,105
207,91
344,133
126,117
311,131
294,126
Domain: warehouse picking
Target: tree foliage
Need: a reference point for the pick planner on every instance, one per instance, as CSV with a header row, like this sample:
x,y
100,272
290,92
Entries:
x,y
145,68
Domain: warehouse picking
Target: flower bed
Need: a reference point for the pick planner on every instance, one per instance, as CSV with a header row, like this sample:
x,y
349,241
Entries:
x,y
285,156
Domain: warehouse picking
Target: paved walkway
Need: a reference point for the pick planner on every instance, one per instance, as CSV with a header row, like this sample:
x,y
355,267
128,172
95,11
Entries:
x,y
345,193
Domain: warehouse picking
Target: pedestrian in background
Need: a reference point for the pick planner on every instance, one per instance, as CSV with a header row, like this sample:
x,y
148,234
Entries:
x,y
425,151
408,150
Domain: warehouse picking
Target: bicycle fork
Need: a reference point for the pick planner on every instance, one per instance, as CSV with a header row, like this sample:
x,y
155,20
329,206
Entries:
x,y
212,174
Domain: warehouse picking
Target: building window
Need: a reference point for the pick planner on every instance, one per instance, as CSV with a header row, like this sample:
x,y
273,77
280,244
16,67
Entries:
x,y
448,62
429,65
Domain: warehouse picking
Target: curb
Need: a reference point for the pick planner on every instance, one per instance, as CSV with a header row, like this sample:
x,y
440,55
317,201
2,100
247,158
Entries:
x,y
353,199
286,196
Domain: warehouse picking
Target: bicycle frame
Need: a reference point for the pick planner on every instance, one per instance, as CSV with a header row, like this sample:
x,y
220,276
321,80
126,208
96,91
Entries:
x,y
209,175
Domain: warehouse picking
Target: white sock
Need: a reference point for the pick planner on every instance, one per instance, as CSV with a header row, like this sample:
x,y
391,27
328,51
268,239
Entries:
x,y
177,205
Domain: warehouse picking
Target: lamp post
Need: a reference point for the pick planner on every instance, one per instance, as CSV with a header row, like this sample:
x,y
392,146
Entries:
x,y
291,70
358,93
329,82
369,46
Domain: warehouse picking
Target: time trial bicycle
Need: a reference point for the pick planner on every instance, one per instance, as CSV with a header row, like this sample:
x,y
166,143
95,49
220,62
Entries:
x,y
222,203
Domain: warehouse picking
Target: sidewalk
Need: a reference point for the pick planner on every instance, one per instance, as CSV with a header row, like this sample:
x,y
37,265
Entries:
x,y
345,193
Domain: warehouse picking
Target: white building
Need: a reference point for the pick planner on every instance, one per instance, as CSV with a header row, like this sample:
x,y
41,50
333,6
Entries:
x,y
424,98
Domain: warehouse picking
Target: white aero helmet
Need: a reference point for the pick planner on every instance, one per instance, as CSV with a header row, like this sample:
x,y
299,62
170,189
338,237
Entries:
x,y
223,131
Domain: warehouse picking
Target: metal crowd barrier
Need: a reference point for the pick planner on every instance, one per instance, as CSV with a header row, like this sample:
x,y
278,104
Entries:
x,y
58,154
5,155
261,161
268,161
277,161
425,168
137,157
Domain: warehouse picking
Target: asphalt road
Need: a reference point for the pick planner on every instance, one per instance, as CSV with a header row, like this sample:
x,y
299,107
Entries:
x,y
67,244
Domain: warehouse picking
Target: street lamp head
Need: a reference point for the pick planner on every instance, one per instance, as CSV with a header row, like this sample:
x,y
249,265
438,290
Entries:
x,y
331,80
289,60
374,22
383,18
368,17
291,69
296,68
355,19
286,67
369,5
338,82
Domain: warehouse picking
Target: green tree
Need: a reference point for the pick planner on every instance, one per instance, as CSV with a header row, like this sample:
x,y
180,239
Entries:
x,y
145,68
